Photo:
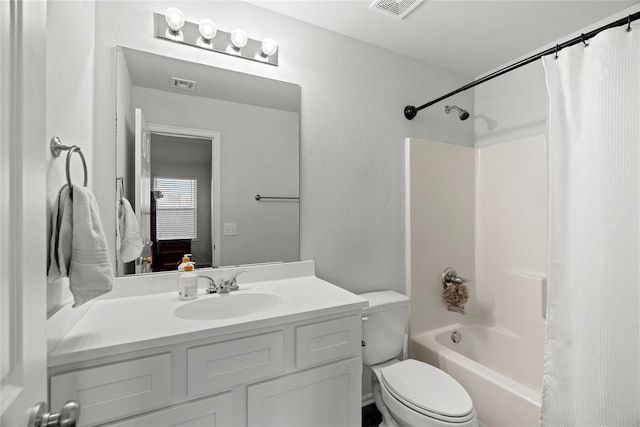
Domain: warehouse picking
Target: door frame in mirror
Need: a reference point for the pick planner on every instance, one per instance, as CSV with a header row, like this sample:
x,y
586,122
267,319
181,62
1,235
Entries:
x,y
216,176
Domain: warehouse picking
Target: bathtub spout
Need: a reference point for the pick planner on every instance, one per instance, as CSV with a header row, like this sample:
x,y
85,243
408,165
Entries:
x,y
460,310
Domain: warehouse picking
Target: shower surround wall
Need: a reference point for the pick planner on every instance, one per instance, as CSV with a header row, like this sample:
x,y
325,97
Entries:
x,y
512,203
511,239
483,211
439,227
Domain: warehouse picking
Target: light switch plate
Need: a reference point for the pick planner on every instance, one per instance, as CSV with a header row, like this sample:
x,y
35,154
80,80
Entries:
x,y
229,228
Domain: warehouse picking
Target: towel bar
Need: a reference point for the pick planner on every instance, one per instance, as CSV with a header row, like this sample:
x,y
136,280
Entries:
x,y
57,146
259,197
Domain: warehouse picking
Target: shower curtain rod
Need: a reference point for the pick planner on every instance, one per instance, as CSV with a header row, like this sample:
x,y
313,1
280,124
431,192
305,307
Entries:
x,y
410,111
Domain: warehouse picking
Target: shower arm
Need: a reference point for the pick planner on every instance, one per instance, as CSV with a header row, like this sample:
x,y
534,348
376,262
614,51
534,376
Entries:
x,y
411,111
448,108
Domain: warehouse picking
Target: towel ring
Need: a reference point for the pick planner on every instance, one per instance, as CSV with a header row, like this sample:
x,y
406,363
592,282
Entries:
x,y
76,149
57,146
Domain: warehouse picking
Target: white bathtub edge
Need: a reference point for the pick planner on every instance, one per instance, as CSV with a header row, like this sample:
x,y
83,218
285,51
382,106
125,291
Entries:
x,y
426,348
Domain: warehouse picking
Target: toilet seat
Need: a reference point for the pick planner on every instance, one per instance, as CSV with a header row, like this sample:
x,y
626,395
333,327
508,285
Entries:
x,y
405,381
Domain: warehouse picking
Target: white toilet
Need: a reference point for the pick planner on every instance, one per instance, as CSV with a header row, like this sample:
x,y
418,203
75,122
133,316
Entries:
x,y
408,393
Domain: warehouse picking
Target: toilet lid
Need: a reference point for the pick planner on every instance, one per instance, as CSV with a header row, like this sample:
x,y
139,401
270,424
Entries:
x,y
427,389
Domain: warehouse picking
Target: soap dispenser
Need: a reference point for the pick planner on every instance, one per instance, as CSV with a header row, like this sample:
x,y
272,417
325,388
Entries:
x,y
188,283
186,260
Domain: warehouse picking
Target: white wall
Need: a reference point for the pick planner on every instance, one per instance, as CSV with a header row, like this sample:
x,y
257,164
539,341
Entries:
x,y
513,106
440,228
259,155
70,83
352,127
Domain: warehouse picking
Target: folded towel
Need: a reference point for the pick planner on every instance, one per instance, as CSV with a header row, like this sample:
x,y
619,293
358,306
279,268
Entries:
x,y
128,240
79,246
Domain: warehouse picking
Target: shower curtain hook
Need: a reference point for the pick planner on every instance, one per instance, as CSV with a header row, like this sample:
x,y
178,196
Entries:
x,y
629,23
584,40
557,49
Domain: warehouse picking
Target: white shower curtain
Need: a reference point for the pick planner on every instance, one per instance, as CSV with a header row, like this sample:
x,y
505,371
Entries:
x,y
592,356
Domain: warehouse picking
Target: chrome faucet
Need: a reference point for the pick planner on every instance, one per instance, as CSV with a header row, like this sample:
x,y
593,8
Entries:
x,y
231,285
450,277
225,286
213,288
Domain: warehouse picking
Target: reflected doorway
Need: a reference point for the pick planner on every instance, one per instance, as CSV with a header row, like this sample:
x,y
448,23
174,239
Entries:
x,y
185,196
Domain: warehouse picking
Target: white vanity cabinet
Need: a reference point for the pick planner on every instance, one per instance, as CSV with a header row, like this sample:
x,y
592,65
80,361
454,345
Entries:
x,y
316,397
305,373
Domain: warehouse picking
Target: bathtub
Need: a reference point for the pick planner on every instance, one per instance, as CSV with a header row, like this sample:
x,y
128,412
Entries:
x,y
501,373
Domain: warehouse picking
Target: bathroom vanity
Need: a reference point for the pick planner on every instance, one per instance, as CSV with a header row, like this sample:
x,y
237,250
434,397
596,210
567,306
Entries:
x,y
285,349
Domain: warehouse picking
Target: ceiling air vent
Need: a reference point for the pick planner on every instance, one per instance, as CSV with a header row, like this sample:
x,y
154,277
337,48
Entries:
x,y
396,8
178,83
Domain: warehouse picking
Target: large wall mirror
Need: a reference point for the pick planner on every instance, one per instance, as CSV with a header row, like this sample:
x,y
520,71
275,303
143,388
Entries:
x,y
209,160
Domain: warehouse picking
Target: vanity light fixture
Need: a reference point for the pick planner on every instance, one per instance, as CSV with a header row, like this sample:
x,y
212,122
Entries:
x,y
172,26
239,38
175,21
208,31
269,48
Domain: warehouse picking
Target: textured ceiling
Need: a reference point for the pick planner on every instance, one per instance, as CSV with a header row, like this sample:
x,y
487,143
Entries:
x,y
467,37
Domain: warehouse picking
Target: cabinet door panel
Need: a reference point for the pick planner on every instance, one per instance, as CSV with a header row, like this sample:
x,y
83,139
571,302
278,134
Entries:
x,y
323,342
116,390
211,412
325,396
216,367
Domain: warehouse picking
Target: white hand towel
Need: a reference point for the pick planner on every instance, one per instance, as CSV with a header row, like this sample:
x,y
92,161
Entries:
x,y
90,272
61,223
129,240
79,246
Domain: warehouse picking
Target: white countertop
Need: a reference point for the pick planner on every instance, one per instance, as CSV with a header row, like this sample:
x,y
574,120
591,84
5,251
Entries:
x,y
119,325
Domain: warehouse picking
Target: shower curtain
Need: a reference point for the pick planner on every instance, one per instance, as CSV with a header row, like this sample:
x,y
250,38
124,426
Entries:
x,y
592,357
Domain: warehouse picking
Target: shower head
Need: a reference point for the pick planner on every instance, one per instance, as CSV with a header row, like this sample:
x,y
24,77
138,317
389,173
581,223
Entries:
x,y
463,114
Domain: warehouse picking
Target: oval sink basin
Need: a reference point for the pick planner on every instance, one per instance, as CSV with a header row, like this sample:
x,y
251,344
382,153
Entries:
x,y
226,306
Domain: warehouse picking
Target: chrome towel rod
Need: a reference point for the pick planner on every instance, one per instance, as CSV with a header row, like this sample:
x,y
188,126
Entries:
x,y
57,147
259,197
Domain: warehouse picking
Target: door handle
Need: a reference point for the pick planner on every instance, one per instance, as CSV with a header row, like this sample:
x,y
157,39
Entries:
x,y
67,417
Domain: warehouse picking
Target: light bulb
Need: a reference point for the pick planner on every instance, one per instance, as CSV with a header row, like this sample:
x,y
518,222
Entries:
x,y
269,47
208,29
239,38
174,18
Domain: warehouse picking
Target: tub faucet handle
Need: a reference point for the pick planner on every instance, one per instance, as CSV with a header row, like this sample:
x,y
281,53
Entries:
x,y
449,277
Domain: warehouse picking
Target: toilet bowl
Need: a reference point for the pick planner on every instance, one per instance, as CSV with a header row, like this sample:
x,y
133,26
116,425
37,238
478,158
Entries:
x,y
418,394
408,393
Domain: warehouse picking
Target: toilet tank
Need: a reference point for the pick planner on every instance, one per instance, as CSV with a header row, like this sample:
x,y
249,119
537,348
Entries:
x,y
384,324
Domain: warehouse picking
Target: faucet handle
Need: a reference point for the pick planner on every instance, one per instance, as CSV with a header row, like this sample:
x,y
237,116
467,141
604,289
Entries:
x,y
449,276
232,282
